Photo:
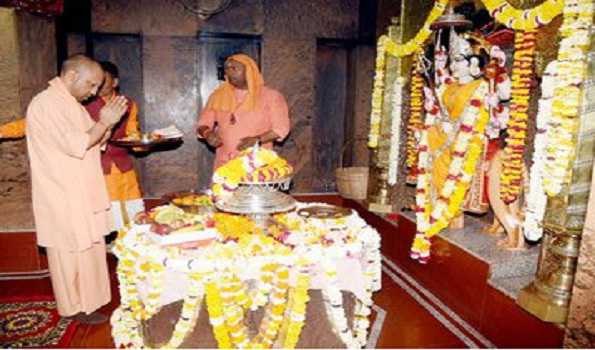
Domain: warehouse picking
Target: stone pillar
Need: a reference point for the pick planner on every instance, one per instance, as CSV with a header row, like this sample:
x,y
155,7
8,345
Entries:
x,y
580,327
380,193
548,296
27,62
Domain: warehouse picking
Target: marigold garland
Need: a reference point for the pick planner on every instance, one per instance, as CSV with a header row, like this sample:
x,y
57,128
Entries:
x,y
434,217
564,122
377,93
524,19
522,75
536,198
251,165
387,45
415,44
416,108
218,277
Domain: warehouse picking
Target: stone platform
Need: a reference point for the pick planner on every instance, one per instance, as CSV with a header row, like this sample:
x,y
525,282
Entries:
x,y
509,271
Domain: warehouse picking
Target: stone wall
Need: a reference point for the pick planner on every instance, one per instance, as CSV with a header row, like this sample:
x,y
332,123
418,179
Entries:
x,y
288,31
27,62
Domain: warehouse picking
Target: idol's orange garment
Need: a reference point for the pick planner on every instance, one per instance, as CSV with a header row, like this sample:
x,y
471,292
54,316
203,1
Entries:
x,y
13,130
455,99
236,113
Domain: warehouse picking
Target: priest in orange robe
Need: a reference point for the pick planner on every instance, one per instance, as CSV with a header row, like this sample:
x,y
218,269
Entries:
x,y
242,111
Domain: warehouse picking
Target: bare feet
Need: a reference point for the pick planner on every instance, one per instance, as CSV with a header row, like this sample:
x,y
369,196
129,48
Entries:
x,y
457,223
494,229
513,241
91,319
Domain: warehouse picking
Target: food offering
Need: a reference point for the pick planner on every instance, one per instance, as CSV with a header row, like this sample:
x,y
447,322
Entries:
x,y
170,225
169,135
191,202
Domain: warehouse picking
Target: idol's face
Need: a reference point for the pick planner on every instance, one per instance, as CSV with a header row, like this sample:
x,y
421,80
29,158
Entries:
x,y
235,73
459,66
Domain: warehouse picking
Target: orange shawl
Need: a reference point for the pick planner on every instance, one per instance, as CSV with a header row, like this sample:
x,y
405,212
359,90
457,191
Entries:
x,y
223,98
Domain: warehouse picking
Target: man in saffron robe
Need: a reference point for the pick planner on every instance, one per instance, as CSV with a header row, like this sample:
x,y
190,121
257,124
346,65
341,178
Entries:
x,y
242,111
70,202
120,177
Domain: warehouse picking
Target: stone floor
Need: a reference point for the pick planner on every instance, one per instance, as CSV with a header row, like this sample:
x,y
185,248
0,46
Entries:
x,y
509,270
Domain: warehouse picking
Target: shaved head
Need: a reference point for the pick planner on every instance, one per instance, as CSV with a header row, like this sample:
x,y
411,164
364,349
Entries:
x,y
78,62
82,76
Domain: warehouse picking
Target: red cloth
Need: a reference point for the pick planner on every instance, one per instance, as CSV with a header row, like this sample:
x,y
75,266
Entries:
x,y
113,154
39,7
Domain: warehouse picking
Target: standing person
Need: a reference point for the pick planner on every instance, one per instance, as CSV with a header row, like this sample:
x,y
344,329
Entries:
x,y
120,177
118,167
242,111
70,202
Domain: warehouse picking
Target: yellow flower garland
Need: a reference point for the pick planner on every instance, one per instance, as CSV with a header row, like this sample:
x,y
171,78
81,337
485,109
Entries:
x,y
415,44
528,19
218,279
563,125
415,116
512,166
434,217
387,45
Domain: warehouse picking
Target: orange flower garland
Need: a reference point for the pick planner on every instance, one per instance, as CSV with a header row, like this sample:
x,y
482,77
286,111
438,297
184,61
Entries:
x,y
522,71
415,119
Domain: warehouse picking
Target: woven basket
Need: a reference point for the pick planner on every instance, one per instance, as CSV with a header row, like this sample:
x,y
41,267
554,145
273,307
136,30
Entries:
x,y
352,182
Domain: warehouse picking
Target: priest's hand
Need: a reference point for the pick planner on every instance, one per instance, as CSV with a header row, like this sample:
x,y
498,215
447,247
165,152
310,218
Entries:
x,y
113,111
213,138
247,142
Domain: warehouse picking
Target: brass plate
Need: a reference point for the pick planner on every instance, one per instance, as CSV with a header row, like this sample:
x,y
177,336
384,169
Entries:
x,y
324,212
146,143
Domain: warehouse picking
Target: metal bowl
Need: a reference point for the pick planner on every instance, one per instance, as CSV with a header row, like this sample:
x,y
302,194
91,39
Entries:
x,y
259,198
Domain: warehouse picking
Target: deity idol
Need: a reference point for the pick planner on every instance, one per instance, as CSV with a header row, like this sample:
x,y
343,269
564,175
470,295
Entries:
x,y
463,113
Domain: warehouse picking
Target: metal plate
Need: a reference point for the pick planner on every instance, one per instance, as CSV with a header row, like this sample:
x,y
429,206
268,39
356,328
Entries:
x,y
324,212
146,143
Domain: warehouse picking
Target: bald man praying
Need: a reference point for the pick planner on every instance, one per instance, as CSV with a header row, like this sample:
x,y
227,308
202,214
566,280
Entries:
x,y
70,201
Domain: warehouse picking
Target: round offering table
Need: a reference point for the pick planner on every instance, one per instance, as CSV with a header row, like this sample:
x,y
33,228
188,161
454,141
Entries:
x,y
304,280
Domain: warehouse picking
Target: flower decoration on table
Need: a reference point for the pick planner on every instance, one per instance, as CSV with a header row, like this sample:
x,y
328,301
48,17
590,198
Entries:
x,y
433,216
251,165
522,75
563,125
233,227
536,198
524,19
243,271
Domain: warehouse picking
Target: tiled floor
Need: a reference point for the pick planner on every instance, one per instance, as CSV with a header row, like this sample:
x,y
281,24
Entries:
x,y
407,323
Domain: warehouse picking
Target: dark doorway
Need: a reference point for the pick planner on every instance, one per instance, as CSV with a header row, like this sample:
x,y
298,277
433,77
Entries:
x,y
333,112
125,51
